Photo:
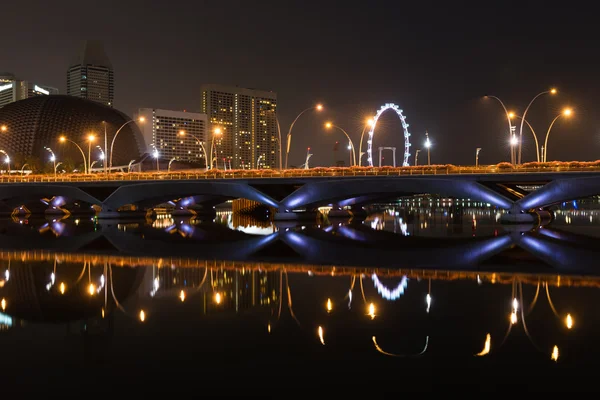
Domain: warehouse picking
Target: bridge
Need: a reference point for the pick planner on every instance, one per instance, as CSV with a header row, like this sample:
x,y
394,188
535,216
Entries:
x,y
297,193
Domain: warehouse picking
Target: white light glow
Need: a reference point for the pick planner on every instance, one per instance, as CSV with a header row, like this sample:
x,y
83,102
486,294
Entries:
x,y
41,90
6,87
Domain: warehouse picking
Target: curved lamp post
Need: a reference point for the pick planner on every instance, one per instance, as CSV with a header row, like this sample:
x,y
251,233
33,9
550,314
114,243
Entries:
x,y
551,91
329,125
63,139
368,124
508,117
112,143
183,133
567,112
52,158
217,131
23,168
318,107
537,146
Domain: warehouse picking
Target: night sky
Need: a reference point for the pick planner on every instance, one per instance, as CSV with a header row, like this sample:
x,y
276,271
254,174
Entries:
x,y
436,62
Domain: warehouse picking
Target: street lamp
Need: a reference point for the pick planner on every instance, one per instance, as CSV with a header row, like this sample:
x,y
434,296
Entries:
x,y
537,146
417,157
477,156
428,147
91,138
368,124
63,139
216,132
317,107
52,158
510,127
183,133
551,91
567,112
155,155
112,143
329,125
170,162
6,160
3,128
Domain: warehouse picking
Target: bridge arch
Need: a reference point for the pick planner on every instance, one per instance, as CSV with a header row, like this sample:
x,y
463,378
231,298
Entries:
x,y
164,191
13,194
384,108
316,194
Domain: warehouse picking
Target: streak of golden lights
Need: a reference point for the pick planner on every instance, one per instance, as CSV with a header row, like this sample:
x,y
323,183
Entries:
x,y
487,346
142,316
320,333
329,306
91,289
269,328
182,296
62,288
513,318
569,321
371,312
3,304
554,355
102,312
218,298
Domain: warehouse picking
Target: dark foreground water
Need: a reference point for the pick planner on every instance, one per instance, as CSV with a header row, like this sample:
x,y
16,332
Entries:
x,y
412,299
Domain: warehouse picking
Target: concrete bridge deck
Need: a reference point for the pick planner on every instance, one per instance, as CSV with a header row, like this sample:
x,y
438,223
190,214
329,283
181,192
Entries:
x,y
305,190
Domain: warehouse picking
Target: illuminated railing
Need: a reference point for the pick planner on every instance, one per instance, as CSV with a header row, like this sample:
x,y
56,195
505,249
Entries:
x,y
317,270
305,173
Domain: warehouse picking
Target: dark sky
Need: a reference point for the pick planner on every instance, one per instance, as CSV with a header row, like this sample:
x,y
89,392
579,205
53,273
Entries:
x,y
436,62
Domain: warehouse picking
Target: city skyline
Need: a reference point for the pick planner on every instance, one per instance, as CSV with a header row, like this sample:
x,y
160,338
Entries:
x,y
417,62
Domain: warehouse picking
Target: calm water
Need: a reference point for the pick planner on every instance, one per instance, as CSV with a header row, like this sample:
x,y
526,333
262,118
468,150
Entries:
x,y
413,298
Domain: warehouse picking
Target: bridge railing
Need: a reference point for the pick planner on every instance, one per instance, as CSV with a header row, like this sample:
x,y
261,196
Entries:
x,y
294,173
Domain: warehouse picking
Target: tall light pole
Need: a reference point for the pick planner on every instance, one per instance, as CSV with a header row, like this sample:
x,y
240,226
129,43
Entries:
x,y
428,147
567,112
551,91
537,146
112,143
6,160
510,127
155,154
368,124
52,158
417,157
477,157
329,125
63,139
216,132
91,138
183,133
317,107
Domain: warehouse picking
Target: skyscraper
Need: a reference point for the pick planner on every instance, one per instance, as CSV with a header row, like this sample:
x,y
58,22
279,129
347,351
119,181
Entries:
x,y
247,119
175,134
90,76
14,89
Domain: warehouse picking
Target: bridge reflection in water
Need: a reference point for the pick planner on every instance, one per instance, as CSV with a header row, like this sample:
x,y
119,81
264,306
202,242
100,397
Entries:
x,y
336,274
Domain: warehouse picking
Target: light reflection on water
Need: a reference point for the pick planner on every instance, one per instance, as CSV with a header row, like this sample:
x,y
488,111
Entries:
x,y
401,289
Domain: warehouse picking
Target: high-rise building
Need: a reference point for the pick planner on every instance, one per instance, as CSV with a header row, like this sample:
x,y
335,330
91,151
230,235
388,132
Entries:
x,y
14,89
247,119
91,76
174,134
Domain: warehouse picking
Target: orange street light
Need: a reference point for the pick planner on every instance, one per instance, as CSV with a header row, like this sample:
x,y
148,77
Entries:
x,y
64,139
567,112
3,128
